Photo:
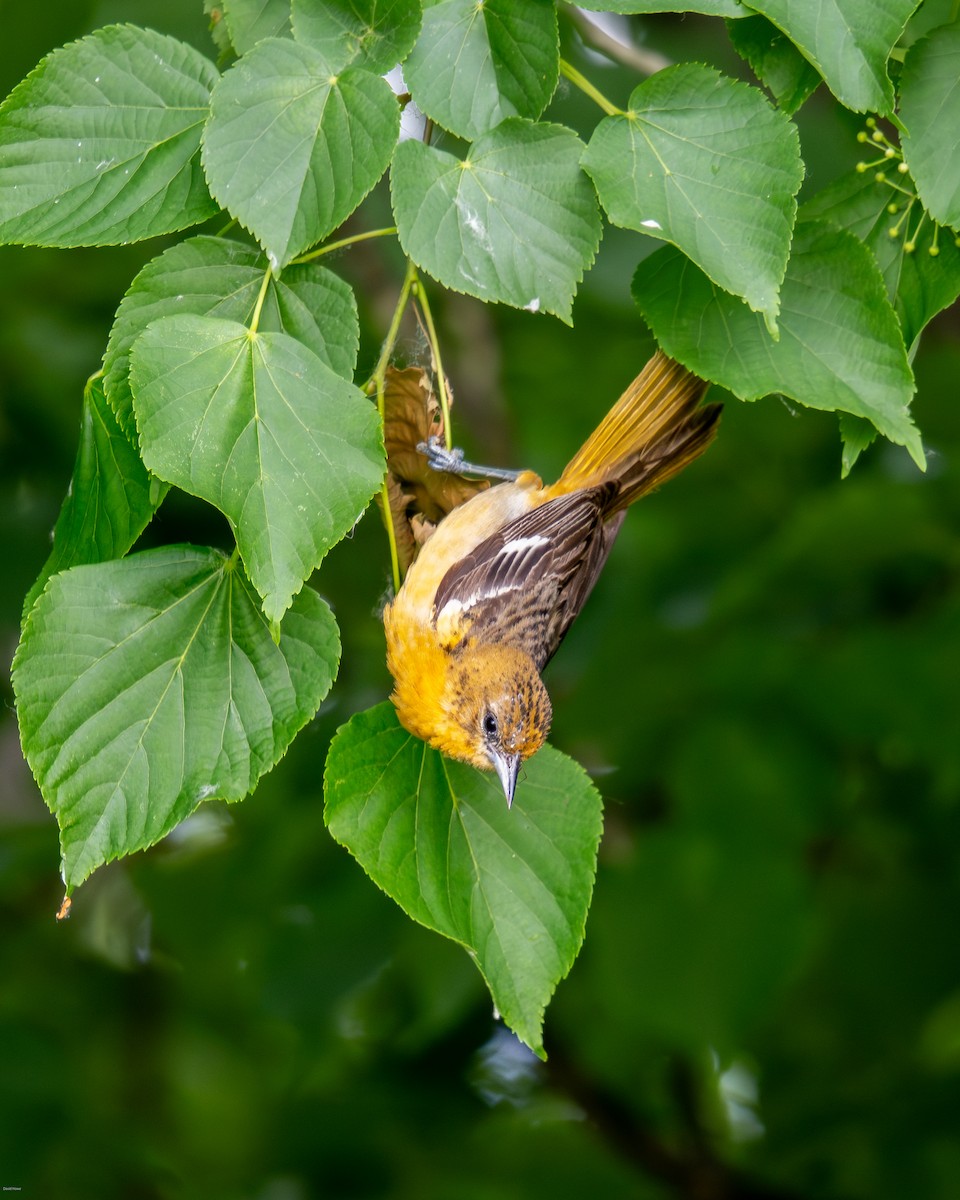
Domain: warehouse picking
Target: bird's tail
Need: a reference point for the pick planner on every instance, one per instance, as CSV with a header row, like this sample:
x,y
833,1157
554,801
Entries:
x,y
653,431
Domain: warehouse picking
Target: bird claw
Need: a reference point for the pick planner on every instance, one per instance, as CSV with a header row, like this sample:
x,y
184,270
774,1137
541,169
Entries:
x,y
452,461
440,458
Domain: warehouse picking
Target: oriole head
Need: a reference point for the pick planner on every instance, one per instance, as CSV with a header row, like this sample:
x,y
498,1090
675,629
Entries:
x,y
497,710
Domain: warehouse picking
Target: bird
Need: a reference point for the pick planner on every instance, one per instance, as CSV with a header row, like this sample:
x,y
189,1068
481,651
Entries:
x,y
496,587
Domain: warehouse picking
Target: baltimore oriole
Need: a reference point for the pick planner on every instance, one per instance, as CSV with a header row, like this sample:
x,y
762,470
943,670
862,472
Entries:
x,y
496,587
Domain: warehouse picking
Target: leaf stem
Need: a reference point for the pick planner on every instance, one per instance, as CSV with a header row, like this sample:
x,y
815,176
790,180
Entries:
x,y
391,534
390,341
588,89
255,319
97,375
347,241
420,292
635,57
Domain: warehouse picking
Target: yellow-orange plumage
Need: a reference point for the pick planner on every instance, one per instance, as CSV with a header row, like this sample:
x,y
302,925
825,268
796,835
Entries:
x,y
496,587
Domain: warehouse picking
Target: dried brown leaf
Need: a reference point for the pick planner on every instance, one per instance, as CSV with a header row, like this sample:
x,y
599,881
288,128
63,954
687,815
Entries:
x,y
399,502
420,497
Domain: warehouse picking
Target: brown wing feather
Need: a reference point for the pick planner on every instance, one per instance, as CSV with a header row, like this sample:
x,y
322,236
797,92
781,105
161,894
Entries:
x,y
525,584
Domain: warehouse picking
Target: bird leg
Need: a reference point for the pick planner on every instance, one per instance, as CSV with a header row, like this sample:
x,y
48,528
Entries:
x,y
453,462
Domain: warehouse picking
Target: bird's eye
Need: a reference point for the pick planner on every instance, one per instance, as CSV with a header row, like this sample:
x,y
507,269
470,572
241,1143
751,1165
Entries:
x,y
490,726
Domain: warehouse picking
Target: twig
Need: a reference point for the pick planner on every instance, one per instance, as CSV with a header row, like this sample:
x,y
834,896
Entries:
x,y
700,1175
648,62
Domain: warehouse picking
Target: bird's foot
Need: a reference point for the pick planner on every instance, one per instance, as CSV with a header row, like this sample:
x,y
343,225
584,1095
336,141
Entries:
x,y
452,461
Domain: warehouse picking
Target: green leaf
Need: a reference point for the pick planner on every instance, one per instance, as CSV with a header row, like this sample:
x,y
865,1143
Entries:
x,y
848,41
250,21
857,434
515,221
376,34
919,283
477,64
148,685
711,8
219,33
775,61
260,427
218,277
512,886
930,111
99,144
840,345
708,164
291,148
111,497
930,15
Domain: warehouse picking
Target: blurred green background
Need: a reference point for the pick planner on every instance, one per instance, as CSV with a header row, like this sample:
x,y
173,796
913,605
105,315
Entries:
x,y
764,686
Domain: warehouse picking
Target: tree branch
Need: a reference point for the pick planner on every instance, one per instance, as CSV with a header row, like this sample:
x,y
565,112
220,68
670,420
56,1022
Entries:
x,y
648,62
700,1175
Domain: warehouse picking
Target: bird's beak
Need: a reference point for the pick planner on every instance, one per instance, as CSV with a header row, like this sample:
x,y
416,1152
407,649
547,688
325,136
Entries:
x,y
507,767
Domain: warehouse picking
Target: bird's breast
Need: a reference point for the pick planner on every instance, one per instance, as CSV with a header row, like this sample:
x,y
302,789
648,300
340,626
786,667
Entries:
x,y
455,537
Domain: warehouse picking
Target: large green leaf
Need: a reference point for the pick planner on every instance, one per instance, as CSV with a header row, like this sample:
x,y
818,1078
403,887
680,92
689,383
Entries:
x,y
259,426
512,886
930,111
100,143
291,147
919,284
111,497
148,685
852,360
376,34
775,60
848,41
708,164
477,64
219,277
250,21
515,221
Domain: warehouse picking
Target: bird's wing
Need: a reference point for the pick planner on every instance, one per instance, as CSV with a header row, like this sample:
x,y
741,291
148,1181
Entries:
x,y
524,585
